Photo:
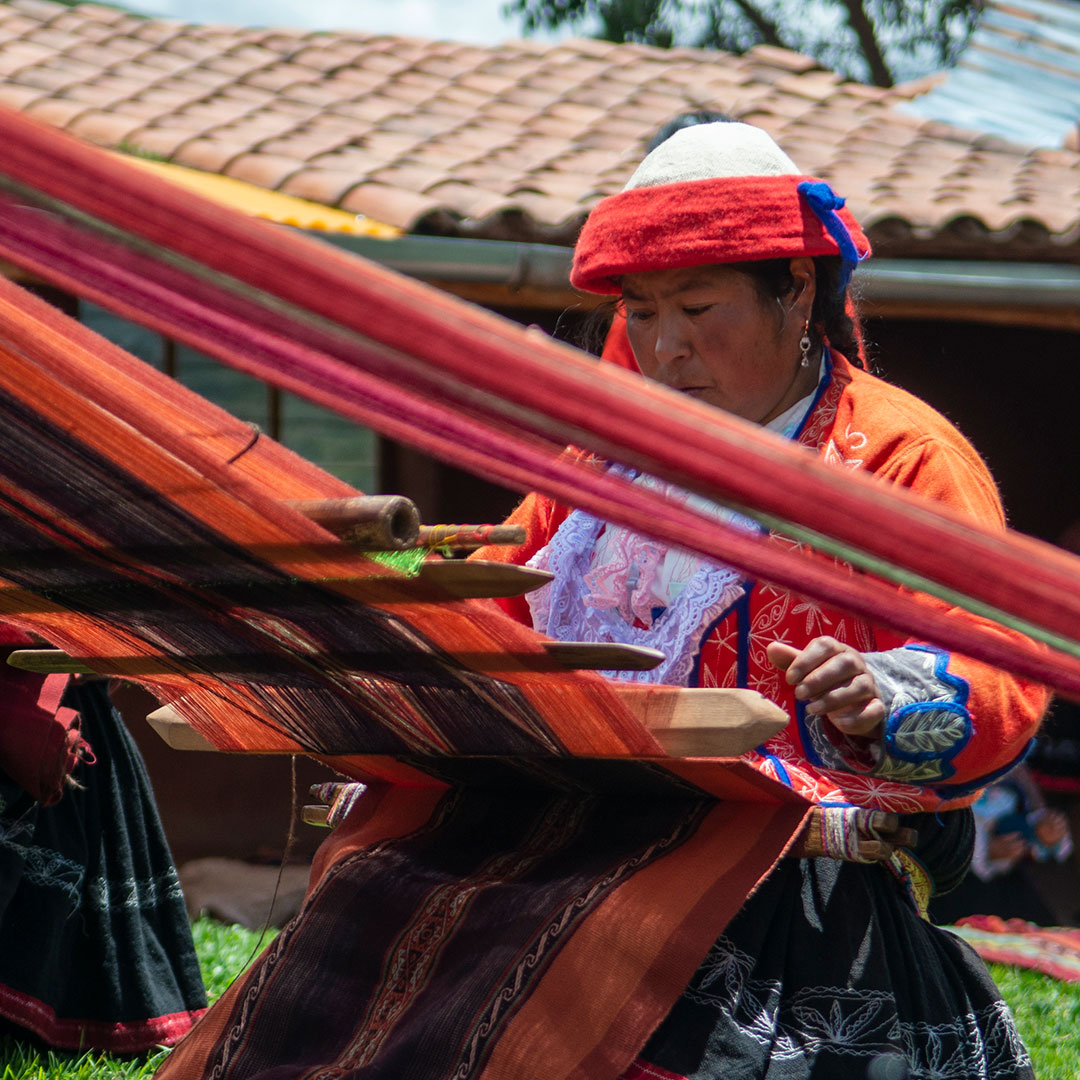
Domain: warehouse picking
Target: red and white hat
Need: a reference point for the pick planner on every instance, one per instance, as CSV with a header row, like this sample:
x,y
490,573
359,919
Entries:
x,y
713,193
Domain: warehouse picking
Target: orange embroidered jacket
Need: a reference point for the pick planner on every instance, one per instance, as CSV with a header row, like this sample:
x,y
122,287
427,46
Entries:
x,y
953,723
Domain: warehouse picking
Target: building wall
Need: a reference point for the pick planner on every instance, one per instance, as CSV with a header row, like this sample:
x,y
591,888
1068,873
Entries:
x,y
1011,391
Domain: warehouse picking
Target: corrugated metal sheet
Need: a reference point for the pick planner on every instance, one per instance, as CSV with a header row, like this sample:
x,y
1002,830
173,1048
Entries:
x,y
1018,76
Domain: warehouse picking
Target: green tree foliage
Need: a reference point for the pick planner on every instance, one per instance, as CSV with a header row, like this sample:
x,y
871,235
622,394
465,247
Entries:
x,y
875,41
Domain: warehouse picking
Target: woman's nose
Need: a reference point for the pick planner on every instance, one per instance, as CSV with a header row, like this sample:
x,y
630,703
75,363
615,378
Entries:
x,y
672,340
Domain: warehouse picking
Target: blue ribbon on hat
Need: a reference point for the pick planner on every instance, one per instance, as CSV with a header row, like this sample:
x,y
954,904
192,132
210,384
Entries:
x,y
825,202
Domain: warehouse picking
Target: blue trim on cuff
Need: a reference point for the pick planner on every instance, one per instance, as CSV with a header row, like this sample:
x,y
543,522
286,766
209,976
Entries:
x,y
958,707
961,687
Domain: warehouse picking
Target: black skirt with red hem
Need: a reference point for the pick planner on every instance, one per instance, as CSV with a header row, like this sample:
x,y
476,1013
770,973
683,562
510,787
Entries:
x,y
95,944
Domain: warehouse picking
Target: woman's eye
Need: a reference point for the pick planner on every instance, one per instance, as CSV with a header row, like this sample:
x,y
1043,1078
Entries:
x,y
638,316
697,310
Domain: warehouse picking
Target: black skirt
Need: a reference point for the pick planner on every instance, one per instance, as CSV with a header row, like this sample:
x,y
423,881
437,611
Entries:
x,y
95,943
828,971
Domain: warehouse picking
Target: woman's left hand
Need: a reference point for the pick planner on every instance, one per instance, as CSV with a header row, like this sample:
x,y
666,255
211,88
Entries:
x,y
833,680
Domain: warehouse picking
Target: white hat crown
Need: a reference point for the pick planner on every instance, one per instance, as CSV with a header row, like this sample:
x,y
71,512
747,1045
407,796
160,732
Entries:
x,y
712,151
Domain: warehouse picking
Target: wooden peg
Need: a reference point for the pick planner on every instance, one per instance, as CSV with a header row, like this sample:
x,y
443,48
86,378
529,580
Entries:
x,y
704,721
176,731
882,836
463,538
368,522
315,815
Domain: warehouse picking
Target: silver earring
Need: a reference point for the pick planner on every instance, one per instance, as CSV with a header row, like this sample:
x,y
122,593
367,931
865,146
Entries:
x,y
804,346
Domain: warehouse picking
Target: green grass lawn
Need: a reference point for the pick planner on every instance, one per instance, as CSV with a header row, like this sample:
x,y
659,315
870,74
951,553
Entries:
x,y
1047,1013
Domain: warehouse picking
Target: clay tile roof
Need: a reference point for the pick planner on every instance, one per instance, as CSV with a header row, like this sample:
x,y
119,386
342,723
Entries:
x,y
516,141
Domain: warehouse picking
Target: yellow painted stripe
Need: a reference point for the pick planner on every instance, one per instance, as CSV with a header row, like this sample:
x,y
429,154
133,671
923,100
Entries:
x,y
259,202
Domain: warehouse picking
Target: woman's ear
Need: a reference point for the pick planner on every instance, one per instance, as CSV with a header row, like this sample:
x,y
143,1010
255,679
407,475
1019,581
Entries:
x,y
804,286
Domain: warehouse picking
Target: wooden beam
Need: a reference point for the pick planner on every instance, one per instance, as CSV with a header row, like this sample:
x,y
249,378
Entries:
x,y
996,314
687,722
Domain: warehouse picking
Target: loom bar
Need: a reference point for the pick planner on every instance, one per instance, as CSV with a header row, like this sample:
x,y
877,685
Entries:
x,y
704,721
687,722
468,537
480,579
48,662
571,655
603,656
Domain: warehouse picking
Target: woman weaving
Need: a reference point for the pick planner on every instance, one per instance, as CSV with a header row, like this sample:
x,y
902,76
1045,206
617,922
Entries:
x,y
733,270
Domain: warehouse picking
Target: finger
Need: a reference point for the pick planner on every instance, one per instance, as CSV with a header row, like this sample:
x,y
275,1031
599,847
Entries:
x,y
835,673
780,654
816,653
865,722
843,699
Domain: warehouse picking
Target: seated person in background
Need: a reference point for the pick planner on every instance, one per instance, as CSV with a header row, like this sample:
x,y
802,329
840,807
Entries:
x,y
95,945
1013,827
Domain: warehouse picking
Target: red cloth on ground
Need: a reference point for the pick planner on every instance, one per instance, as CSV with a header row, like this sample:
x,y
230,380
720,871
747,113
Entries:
x,y
1053,950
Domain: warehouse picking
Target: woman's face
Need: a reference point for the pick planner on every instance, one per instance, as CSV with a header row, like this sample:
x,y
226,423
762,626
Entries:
x,y
708,332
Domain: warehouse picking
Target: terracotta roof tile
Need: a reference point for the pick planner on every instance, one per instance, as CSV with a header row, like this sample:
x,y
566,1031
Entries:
x,y
392,206
264,170
56,110
210,154
280,76
163,61
320,185
141,110
40,9
546,209
214,110
158,31
13,25
408,176
304,144
18,55
19,97
355,161
514,141
54,39
161,142
104,128
784,58
469,200
86,30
